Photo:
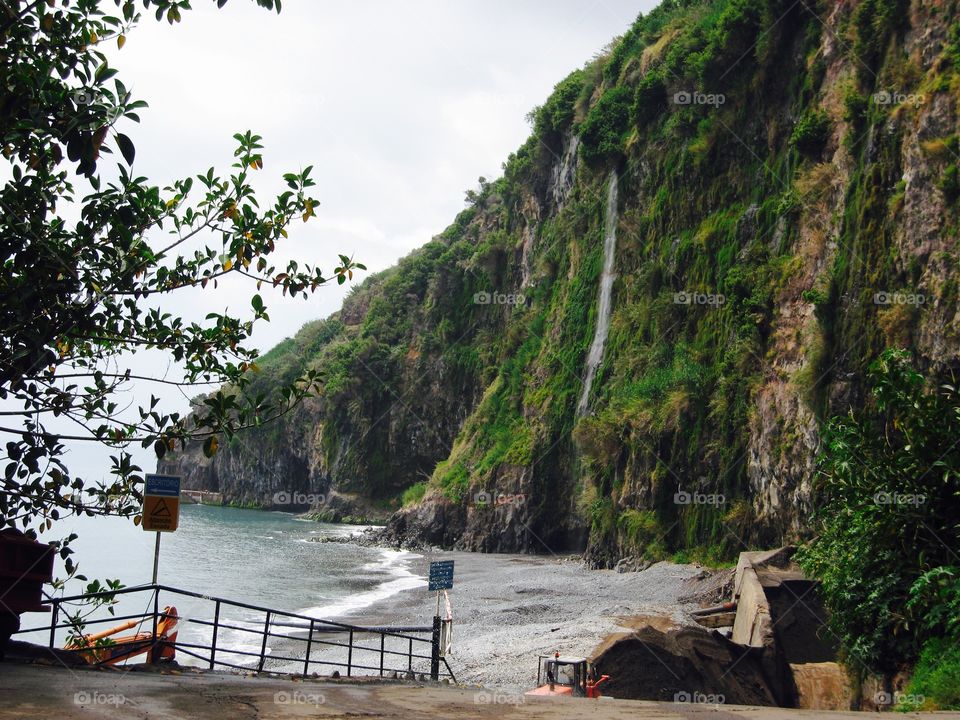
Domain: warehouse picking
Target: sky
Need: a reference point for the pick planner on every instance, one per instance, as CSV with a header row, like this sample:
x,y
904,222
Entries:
x,y
399,106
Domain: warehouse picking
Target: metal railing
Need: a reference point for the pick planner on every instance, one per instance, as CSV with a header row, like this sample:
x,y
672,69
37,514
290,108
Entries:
x,y
405,650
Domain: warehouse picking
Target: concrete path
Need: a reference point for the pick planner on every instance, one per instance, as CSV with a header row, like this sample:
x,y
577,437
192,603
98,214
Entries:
x,y
29,692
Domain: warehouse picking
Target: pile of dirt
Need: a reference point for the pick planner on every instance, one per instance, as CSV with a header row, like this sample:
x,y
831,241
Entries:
x,y
682,664
708,588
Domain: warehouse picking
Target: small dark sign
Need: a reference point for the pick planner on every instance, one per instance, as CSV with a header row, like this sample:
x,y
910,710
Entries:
x,y
441,575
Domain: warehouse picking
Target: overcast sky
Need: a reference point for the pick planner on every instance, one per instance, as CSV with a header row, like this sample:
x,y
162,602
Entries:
x,y
400,106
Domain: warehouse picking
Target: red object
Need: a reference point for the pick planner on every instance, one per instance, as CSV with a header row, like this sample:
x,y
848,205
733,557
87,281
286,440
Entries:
x,y
592,686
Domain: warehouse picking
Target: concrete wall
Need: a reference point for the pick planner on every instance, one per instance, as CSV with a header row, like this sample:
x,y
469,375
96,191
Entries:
x,y
822,686
752,625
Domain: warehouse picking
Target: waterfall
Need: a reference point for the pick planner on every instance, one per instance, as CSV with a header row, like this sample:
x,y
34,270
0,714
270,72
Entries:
x,y
606,288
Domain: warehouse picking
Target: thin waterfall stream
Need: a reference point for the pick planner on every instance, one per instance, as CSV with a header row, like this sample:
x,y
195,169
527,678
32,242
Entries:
x,y
606,289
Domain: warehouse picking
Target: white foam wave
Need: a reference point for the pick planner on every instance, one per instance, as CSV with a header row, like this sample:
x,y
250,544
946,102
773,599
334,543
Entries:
x,y
394,562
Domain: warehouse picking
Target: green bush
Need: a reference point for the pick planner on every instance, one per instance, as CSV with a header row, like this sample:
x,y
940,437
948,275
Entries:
x,y
953,49
950,183
454,481
888,523
811,132
630,45
855,105
650,98
602,132
556,114
935,684
735,33
641,531
414,494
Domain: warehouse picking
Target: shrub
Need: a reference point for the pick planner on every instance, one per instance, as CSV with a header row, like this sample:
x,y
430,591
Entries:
x,y
811,132
641,531
454,481
556,114
603,130
855,105
950,183
629,46
650,98
414,494
936,678
887,525
735,34
953,49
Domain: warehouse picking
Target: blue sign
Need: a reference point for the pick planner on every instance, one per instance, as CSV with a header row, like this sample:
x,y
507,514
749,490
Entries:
x,y
441,575
165,485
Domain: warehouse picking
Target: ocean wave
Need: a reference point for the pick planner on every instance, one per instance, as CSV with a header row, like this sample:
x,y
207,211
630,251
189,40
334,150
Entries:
x,y
394,562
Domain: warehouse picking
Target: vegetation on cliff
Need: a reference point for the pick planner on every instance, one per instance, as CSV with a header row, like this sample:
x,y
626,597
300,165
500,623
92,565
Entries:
x,y
769,249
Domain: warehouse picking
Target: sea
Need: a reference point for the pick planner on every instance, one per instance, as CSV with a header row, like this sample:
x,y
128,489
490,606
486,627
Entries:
x,y
265,559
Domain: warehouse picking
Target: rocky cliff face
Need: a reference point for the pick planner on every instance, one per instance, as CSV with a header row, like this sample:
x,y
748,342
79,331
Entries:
x,y
787,208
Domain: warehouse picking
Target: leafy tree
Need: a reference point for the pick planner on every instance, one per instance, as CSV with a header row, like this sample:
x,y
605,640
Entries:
x,y
91,256
888,527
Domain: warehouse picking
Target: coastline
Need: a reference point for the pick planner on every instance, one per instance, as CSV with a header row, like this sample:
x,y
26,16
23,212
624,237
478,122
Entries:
x,y
509,609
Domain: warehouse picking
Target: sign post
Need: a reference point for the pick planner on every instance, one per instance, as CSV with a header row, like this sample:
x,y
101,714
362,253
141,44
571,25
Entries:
x,y
161,509
441,578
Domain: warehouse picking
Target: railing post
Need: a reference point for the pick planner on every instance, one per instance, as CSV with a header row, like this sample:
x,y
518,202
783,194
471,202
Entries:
x,y
410,655
156,616
54,616
216,629
306,660
350,654
263,648
382,638
435,650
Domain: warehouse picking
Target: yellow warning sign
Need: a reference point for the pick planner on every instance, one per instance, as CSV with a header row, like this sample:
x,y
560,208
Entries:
x,y
161,513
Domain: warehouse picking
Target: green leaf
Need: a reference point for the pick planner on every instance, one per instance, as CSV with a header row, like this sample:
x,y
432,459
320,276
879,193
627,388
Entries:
x,y
126,148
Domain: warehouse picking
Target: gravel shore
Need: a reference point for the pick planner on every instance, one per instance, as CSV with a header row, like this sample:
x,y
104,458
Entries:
x,y
508,609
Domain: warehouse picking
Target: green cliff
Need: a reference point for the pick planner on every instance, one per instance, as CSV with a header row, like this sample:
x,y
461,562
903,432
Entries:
x,y
785,207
